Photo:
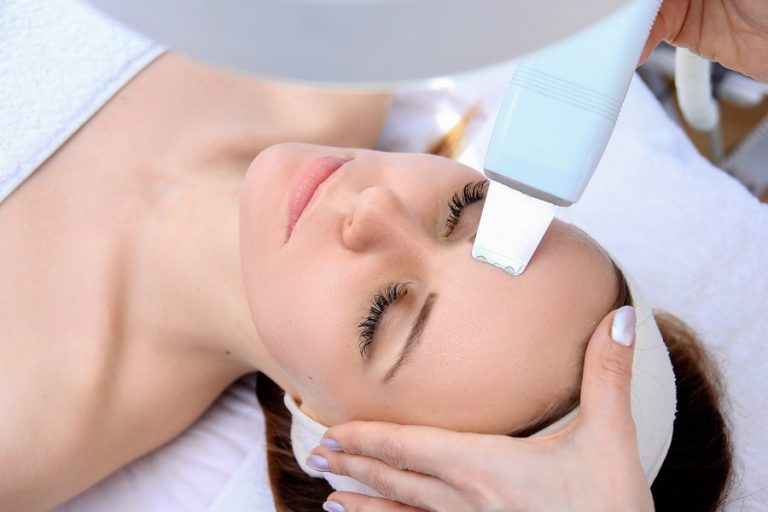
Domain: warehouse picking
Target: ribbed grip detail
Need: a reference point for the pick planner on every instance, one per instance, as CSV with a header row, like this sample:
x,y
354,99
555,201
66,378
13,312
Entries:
x,y
565,91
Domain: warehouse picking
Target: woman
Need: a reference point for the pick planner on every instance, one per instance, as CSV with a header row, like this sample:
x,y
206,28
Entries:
x,y
138,281
142,274
141,288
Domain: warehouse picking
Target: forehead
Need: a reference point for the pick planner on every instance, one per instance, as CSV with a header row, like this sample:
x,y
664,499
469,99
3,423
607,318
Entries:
x,y
499,349
425,165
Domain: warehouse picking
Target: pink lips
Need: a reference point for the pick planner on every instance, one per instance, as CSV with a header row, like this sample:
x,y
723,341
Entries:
x,y
307,183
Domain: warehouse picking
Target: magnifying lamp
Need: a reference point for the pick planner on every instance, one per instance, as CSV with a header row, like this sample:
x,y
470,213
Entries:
x,y
362,42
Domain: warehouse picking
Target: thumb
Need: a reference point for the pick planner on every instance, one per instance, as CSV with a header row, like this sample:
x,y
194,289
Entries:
x,y
605,387
657,34
668,22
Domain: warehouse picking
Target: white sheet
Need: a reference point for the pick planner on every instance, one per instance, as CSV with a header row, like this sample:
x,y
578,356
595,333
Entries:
x,y
693,238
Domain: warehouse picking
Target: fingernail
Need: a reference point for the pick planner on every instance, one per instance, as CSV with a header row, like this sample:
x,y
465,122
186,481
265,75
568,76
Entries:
x,y
331,444
333,506
623,328
318,463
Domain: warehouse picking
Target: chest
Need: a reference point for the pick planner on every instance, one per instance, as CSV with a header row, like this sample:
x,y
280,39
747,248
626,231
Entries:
x,y
80,396
59,253
56,330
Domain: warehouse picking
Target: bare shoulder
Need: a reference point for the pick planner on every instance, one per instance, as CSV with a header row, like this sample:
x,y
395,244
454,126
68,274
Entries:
x,y
32,476
43,447
274,110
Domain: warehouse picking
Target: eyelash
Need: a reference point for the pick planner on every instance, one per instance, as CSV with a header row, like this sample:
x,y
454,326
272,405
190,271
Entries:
x,y
383,299
472,193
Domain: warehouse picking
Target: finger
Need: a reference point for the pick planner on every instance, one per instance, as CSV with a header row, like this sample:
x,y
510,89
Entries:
x,y
657,35
428,450
407,487
667,26
605,388
351,502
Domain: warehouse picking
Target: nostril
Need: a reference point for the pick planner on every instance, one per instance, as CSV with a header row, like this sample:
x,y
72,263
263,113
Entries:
x,y
375,210
349,238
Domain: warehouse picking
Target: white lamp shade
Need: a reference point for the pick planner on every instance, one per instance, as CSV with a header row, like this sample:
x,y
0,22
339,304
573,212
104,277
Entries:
x,y
364,43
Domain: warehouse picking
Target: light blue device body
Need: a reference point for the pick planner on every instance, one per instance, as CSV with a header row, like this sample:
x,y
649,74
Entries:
x,y
562,105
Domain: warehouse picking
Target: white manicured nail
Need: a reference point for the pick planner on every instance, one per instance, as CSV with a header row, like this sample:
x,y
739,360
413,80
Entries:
x,y
333,506
623,328
331,444
318,463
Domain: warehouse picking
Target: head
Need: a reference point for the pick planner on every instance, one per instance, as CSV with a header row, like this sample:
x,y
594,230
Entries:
x,y
506,349
381,256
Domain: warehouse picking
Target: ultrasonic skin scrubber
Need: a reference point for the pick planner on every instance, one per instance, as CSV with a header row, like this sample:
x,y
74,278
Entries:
x,y
551,131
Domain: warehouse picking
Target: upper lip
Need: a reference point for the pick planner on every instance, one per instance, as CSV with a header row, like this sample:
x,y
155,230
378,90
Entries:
x,y
295,213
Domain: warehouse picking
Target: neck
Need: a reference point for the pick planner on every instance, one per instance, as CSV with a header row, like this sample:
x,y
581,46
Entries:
x,y
186,289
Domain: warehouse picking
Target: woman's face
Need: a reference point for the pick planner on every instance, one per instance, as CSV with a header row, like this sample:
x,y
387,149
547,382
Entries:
x,y
458,344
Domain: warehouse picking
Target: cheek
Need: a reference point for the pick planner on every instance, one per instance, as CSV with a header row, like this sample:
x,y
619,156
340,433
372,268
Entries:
x,y
303,329
305,325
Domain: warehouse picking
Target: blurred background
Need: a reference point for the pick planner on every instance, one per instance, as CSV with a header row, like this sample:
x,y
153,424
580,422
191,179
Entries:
x,y
739,144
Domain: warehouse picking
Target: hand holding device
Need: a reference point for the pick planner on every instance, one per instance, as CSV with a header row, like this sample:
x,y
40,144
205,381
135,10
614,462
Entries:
x,y
552,128
733,33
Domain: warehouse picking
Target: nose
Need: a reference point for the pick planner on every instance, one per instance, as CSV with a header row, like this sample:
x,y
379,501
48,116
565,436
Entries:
x,y
378,219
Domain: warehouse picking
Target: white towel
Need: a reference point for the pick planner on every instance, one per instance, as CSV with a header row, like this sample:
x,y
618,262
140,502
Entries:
x,y
60,61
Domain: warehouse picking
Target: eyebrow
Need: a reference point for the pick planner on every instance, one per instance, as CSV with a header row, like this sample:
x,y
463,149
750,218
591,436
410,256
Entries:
x,y
414,337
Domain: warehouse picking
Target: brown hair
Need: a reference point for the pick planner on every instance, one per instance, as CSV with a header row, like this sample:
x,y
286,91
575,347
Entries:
x,y
696,472
694,476
293,490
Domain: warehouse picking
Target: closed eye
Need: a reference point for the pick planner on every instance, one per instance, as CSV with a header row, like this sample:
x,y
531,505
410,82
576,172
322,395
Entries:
x,y
471,193
379,303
